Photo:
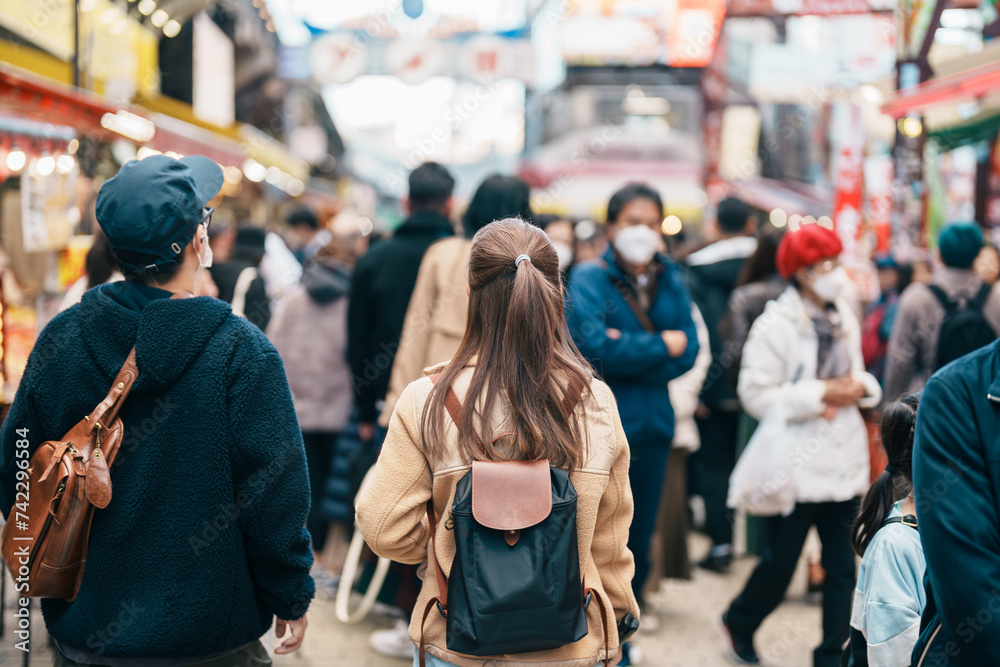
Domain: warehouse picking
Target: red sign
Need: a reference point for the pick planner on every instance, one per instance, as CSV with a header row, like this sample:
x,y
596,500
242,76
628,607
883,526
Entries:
x,y
696,29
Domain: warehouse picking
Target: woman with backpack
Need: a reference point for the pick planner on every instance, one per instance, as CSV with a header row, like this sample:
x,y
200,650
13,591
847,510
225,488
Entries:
x,y
464,482
889,598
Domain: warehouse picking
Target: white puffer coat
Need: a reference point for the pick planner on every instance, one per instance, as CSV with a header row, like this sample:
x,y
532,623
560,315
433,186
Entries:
x,y
827,459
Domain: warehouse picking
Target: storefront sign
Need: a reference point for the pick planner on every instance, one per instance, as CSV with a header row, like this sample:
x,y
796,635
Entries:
x,y
48,213
695,31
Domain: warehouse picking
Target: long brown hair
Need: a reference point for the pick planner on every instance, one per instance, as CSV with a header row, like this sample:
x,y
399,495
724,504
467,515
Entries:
x,y
525,357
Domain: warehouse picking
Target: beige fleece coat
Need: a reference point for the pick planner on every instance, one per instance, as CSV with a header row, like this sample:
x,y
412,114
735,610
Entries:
x,y
391,514
435,317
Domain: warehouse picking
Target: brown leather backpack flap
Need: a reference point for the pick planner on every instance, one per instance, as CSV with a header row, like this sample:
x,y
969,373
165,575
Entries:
x,y
511,495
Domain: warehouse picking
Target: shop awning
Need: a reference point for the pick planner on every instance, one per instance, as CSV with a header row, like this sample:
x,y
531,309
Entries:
x,y
955,88
768,194
33,98
983,127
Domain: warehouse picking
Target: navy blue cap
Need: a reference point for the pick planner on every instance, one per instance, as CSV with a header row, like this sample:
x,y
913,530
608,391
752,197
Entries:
x,y
151,208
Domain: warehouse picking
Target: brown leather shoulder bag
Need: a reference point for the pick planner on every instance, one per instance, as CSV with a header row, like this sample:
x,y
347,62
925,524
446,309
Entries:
x,y
45,539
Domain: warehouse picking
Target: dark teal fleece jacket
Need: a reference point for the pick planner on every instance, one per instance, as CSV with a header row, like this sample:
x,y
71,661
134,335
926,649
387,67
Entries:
x,y
204,539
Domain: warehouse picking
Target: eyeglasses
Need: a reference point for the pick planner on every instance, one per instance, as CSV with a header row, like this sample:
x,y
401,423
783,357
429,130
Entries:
x,y
825,267
206,217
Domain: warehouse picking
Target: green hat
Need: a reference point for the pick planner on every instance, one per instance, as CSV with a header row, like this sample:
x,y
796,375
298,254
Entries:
x,y
960,243
151,208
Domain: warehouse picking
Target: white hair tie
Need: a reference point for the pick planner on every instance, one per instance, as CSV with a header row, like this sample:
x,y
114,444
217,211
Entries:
x,y
517,262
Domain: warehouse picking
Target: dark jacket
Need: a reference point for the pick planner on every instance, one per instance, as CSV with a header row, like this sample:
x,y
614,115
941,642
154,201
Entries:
x,y
712,273
257,307
636,366
380,293
203,541
956,475
746,304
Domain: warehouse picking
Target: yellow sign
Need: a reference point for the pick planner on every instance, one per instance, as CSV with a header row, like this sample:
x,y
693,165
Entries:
x,y
118,56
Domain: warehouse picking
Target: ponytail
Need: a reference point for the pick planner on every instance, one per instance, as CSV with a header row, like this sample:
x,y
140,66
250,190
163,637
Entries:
x,y
896,481
875,509
525,358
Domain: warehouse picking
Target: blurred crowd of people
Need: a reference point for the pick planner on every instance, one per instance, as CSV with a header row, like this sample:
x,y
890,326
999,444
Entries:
x,y
672,332
698,342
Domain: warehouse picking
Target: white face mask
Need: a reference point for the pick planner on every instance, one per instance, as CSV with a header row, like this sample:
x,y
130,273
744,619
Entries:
x,y
829,286
564,252
205,259
637,244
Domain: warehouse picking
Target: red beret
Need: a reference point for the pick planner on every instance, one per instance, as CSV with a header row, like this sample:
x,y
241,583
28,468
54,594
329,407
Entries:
x,y
805,246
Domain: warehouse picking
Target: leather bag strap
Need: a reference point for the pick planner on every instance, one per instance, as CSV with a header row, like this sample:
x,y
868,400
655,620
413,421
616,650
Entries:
x,y
423,621
442,600
432,556
629,297
107,410
454,406
604,623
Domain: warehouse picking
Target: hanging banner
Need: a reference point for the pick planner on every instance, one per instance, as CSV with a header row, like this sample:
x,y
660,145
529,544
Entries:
x,y
878,198
848,164
848,179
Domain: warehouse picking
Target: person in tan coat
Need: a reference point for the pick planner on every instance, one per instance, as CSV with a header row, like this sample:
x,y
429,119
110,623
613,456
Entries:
x,y
435,317
515,357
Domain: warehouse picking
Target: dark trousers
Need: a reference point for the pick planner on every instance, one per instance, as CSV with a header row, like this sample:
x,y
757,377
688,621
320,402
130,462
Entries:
x,y
320,446
252,655
769,581
647,470
710,468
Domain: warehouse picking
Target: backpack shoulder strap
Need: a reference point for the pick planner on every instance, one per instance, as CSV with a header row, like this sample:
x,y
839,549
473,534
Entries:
x,y
594,595
629,296
452,404
980,301
949,305
908,520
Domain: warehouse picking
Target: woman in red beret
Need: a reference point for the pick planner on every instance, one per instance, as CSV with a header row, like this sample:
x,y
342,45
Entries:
x,y
803,376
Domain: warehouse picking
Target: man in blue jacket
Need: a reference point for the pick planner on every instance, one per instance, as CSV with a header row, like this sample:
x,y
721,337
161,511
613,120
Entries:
x,y
956,479
630,315
203,543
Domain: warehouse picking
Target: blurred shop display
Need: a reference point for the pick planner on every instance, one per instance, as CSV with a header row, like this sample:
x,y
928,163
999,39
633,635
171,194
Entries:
x,y
87,86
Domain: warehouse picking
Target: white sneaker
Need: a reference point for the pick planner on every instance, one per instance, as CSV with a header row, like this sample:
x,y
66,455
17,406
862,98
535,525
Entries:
x,y
394,643
649,622
635,654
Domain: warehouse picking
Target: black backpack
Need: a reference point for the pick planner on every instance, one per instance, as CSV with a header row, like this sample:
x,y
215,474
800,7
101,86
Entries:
x,y
515,583
963,330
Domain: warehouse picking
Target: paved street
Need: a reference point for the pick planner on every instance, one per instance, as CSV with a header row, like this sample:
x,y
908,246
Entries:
x,y
687,638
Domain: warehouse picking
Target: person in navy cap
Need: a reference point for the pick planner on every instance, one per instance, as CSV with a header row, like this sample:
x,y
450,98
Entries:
x,y
203,544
